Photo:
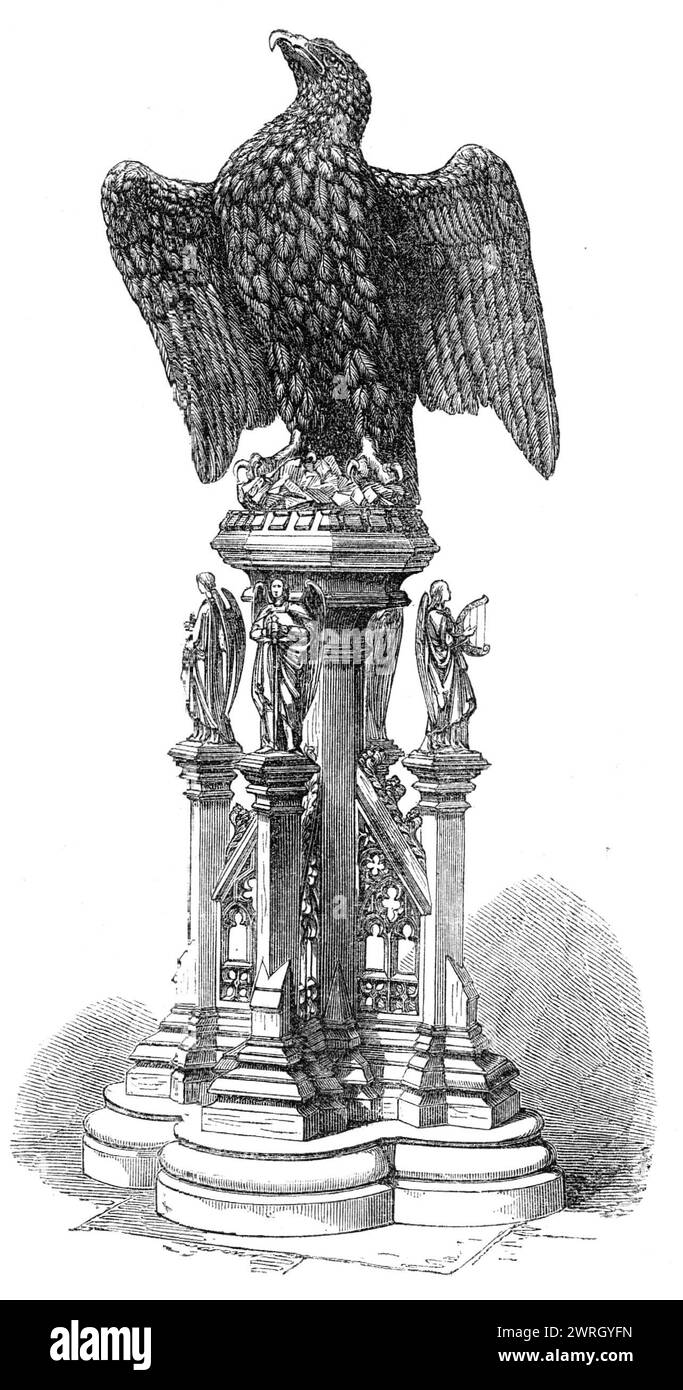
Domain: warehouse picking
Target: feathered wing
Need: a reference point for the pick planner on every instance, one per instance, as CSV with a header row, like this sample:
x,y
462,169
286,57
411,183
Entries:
x,y
475,314
421,657
235,644
167,246
315,608
383,643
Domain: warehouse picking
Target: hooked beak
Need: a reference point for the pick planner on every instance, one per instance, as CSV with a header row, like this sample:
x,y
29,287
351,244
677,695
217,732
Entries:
x,y
294,46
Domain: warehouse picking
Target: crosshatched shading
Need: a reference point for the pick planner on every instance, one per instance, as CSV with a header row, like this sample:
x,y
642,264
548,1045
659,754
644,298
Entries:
x,y
559,997
66,1080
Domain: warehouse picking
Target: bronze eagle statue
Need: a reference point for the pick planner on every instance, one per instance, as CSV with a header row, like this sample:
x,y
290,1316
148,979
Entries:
x,y
306,284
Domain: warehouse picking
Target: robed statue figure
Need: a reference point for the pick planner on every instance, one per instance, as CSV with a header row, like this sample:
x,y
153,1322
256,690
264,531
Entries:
x,y
287,664
441,643
213,658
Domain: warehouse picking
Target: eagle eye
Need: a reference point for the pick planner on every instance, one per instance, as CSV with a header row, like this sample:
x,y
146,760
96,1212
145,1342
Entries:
x,y
328,52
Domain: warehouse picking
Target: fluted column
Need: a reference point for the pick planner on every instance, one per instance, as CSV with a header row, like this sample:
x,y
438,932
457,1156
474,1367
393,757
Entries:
x,y
208,771
452,1077
336,727
266,1089
444,781
278,783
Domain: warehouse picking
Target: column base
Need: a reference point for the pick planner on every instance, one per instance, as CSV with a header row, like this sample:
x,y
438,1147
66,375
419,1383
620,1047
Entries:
x,y
332,1106
453,1078
122,1141
389,1044
382,1173
174,1063
266,1093
350,1067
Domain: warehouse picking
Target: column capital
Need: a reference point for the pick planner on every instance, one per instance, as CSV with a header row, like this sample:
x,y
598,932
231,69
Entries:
x,y
277,780
445,779
209,769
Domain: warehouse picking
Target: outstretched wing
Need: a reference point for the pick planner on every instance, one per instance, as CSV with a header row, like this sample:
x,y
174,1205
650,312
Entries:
x,y
236,643
477,321
421,656
167,245
259,599
382,645
316,609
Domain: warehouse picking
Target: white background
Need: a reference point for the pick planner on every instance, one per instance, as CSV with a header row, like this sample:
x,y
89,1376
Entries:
x,y
105,525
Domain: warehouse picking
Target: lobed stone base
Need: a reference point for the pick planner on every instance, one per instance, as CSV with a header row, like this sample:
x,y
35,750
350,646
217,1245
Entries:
x,y
356,1210
382,1173
122,1141
491,1204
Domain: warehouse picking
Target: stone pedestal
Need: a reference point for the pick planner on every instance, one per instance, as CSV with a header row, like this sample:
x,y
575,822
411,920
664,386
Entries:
x,y
352,1086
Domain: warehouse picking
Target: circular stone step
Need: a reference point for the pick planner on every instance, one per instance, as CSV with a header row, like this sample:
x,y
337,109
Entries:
x,y
477,1203
122,1141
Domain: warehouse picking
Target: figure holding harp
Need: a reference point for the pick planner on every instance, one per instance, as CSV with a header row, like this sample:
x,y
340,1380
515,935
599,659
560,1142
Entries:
x,y
441,644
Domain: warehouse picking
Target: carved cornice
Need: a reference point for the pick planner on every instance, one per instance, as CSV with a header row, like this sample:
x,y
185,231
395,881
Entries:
x,y
365,544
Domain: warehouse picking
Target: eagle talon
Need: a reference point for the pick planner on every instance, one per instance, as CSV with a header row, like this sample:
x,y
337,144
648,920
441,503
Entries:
x,y
258,475
375,483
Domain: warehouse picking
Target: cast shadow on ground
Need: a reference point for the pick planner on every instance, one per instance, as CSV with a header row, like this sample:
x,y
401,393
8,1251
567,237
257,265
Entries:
x,y
559,998
65,1082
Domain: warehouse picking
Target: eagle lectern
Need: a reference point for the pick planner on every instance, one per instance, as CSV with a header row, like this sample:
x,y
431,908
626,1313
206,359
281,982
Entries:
x,y
324,1068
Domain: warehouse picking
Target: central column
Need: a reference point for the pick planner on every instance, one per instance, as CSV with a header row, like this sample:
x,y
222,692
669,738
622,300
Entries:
x,y
335,729
355,566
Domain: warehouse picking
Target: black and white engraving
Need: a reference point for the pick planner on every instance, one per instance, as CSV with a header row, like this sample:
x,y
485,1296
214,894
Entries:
x,y
441,645
306,284
213,657
331,1001
326,1068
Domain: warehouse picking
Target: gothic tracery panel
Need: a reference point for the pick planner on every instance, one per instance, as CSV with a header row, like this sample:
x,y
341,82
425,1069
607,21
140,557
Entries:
x,y
238,926
388,934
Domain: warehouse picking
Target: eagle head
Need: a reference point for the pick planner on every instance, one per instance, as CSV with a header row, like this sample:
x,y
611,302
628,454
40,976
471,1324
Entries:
x,y
327,78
